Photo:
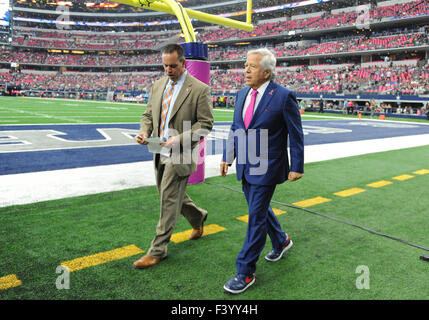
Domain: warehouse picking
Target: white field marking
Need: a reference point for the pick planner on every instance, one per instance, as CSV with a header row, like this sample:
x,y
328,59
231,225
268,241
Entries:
x,y
87,116
24,188
112,108
47,116
95,113
87,101
366,120
325,117
224,110
75,104
329,151
42,140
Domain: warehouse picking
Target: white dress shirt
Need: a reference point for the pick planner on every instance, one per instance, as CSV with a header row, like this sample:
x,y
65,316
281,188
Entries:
x,y
261,91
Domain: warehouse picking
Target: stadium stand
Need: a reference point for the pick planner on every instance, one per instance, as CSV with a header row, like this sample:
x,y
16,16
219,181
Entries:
x,y
322,50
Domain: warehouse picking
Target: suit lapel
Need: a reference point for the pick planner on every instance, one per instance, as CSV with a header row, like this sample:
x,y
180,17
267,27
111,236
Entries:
x,y
157,101
268,94
240,106
183,94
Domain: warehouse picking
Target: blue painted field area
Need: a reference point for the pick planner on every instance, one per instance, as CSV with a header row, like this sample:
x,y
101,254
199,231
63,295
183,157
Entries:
x,y
30,148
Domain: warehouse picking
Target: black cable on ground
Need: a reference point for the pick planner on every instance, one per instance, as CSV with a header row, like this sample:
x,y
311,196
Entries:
x,y
334,219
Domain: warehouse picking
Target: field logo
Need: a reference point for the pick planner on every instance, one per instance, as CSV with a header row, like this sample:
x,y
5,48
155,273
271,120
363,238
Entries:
x,y
362,282
63,20
63,281
363,16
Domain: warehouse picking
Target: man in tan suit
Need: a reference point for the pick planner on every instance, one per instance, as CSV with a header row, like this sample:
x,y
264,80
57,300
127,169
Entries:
x,y
179,111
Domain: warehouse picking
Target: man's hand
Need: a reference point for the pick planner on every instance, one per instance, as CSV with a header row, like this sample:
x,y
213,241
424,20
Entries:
x,y
140,138
293,176
171,142
223,168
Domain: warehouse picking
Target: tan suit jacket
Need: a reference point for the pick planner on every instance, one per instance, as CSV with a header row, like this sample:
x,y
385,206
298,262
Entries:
x,y
191,117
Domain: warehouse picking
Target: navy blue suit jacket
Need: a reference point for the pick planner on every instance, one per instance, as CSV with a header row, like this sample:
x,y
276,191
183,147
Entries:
x,y
260,150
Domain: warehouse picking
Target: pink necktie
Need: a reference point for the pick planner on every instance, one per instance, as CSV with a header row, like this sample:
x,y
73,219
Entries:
x,y
249,112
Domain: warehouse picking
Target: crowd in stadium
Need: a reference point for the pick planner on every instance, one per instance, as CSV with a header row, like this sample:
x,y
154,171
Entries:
x,y
384,80
81,81
94,7
81,5
405,80
351,44
126,42
325,21
87,43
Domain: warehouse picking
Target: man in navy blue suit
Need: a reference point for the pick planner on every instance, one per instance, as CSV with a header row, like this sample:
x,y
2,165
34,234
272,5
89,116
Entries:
x,y
265,115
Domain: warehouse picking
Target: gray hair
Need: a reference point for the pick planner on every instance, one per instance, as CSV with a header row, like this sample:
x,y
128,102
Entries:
x,y
268,61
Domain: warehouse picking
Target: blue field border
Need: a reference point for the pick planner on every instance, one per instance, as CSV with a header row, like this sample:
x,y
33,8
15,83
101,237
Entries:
x,y
33,161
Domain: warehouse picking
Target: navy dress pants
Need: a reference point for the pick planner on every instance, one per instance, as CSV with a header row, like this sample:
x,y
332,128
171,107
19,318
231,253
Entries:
x,y
262,221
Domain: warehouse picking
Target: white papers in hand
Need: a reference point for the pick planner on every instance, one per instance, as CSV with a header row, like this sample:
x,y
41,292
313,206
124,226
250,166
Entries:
x,y
154,145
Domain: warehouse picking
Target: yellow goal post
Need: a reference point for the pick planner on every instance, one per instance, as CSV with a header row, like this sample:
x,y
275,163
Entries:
x,y
184,15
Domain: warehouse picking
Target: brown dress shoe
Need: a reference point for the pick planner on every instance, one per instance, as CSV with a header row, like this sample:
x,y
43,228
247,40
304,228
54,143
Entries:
x,y
146,261
198,232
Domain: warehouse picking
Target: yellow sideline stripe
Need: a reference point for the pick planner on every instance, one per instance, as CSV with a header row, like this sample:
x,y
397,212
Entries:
x,y
349,192
421,172
184,235
9,281
245,218
403,177
379,184
311,202
100,258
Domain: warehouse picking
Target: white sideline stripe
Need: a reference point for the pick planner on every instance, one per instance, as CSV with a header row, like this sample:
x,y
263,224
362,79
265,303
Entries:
x,y
24,188
329,151
77,101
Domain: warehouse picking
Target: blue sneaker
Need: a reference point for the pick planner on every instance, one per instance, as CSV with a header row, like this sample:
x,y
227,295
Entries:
x,y
276,255
239,283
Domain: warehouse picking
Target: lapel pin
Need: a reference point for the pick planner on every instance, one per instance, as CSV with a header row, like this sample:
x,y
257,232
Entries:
x,y
271,92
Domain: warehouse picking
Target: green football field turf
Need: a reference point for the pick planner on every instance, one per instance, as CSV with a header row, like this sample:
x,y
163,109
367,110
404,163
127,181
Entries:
x,y
19,110
322,264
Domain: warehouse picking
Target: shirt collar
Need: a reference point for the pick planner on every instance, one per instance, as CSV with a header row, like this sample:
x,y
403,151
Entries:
x,y
180,80
262,88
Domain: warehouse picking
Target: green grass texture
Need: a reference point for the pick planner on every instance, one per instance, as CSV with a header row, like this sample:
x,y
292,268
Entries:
x,y
23,110
322,264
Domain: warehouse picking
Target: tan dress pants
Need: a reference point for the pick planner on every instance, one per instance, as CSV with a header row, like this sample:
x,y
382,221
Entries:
x,y
174,200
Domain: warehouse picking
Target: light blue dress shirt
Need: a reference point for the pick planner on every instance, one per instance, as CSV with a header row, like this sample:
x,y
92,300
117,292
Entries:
x,y
176,91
